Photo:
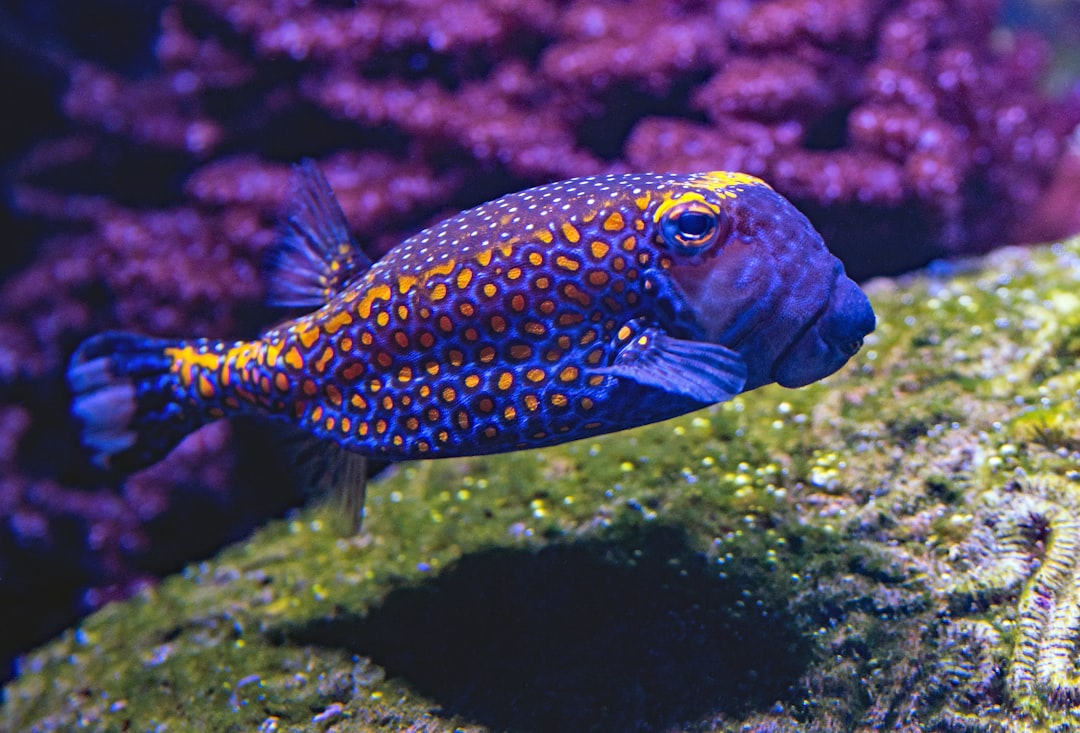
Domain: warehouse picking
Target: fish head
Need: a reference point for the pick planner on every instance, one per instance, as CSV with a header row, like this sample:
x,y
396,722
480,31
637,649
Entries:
x,y
747,270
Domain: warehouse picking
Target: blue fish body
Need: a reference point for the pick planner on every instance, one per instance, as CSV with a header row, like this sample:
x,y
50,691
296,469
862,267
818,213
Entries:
x,y
552,314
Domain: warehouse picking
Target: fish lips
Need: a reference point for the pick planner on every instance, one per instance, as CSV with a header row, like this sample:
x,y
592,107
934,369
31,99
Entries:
x,y
829,339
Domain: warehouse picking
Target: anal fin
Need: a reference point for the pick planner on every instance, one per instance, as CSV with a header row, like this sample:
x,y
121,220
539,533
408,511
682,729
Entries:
x,y
335,476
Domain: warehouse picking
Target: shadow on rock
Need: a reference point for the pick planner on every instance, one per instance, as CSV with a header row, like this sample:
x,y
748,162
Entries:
x,y
637,633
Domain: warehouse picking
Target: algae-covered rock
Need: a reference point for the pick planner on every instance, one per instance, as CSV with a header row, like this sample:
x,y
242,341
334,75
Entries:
x,y
895,547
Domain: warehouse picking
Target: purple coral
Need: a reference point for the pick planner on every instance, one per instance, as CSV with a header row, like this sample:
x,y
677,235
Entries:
x,y
149,183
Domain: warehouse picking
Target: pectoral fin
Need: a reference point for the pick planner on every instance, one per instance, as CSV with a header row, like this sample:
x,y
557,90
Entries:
x,y
703,371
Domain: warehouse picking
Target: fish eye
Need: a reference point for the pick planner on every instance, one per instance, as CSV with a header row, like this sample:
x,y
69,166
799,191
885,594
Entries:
x,y
691,226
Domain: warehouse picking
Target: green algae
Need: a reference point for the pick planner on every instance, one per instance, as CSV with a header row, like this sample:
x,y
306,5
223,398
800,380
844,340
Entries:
x,y
893,547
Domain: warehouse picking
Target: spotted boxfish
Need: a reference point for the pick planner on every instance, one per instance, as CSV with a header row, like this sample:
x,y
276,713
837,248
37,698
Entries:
x,y
564,311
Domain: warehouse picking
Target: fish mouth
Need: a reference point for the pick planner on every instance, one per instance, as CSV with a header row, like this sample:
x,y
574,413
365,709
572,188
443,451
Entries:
x,y
829,338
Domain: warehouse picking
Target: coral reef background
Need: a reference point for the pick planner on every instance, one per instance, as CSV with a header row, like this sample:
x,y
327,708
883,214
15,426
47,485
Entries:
x,y
145,166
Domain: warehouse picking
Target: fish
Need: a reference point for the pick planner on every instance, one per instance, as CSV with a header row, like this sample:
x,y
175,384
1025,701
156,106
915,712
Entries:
x,y
561,312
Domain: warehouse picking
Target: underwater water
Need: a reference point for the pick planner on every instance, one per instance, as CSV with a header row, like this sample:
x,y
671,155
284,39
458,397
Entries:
x,y
893,546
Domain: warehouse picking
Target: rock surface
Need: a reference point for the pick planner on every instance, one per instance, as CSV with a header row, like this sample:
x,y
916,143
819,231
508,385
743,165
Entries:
x,y
895,547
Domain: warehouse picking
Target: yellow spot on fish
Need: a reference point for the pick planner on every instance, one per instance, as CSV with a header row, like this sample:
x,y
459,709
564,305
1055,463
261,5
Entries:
x,y
444,269
346,425
510,413
687,197
330,422
432,368
405,375
513,273
614,222
642,202
472,381
335,324
388,402
309,336
333,394
406,283
535,258
316,414
293,358
464,278
448,394
189,356
599,248
535,375
273,353
484,258
379,292
571,233
506,380
374,385
728,178
438,292
624,333
206,387
398,440
353,372
281,381
567,263
403,312
358,402
545,236
569,374
363,429
531,402
558,400
327,355
490,289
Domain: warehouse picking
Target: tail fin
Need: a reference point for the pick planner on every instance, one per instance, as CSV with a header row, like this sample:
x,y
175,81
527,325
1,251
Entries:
x,y
132,407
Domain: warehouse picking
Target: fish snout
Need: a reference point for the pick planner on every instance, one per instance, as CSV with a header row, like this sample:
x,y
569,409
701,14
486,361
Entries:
x,y
831,339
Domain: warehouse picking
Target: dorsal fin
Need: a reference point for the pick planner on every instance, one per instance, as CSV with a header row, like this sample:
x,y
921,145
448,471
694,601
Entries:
x,y
317,256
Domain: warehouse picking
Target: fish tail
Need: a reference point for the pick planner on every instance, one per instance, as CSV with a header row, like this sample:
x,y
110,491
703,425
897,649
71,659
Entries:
x,y
132,399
